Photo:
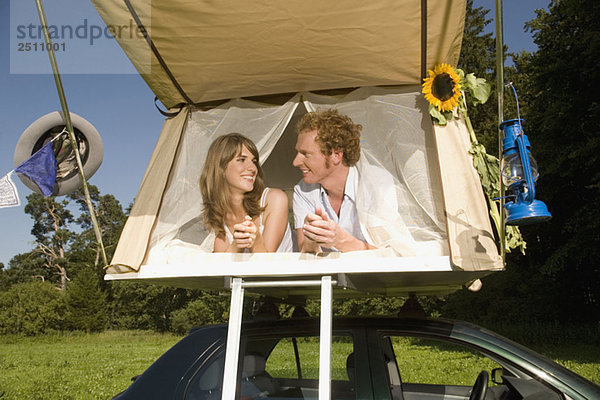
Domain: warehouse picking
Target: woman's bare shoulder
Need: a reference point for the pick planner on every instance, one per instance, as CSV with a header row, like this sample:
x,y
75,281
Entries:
x,y
277,198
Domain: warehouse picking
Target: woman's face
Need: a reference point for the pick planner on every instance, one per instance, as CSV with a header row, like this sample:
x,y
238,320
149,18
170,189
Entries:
x,y
241,171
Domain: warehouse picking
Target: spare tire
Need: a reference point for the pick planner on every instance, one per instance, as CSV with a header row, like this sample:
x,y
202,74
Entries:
x,y
42,131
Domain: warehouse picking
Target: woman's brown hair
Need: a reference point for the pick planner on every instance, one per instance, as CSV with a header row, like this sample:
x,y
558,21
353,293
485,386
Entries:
x,y
212,181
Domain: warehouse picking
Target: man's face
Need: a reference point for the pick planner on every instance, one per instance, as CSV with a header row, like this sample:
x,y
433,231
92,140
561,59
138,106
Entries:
x,y
314,165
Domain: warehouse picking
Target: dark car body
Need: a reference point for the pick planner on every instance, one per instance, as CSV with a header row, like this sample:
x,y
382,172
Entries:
x,y
277,361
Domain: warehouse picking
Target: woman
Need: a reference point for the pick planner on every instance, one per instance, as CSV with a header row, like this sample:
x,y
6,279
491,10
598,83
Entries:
x,y
238,208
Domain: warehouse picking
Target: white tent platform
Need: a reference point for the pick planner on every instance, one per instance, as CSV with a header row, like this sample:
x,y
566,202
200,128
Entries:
x,y
361,273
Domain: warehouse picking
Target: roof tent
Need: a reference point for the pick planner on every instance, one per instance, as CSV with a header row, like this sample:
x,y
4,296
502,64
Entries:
x,y
255,68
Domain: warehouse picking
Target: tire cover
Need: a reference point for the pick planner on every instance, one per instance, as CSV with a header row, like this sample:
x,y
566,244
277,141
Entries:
x,y
67,177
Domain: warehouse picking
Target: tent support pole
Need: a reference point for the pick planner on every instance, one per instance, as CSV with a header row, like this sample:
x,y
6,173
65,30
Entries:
x,y
500,92
234,331
325,341
67,117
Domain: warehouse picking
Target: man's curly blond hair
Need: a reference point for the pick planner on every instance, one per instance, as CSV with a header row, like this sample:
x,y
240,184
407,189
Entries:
x,y
335,131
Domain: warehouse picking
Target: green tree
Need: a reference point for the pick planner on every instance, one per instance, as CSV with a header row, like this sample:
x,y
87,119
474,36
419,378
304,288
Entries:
x,y
86,307
50,228
563,110
135,305
559,278
26,267
110,218
478,56
207,309
4,279
60,251
85,250
31,308
58,245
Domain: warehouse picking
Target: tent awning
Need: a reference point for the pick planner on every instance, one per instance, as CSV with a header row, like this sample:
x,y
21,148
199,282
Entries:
x,y
200,51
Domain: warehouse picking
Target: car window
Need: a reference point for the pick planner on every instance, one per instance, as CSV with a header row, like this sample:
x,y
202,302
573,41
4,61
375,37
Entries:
x,y
431,361
433,369
208,381
436,369
289,367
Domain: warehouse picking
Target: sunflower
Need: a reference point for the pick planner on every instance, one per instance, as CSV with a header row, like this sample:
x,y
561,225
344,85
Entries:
x,y
442,88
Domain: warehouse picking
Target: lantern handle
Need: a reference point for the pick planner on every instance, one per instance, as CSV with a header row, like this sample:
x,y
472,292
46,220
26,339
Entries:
x,y
510,84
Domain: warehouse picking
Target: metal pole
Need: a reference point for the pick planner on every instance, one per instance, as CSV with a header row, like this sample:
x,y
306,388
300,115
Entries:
x,y
325,341
285,283
234,331
67,116
500,92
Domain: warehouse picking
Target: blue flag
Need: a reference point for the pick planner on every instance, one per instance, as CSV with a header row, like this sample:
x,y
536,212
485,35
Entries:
x,y
41,169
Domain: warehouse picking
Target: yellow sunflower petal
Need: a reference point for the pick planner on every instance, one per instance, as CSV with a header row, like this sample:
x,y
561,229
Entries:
x,y
446,103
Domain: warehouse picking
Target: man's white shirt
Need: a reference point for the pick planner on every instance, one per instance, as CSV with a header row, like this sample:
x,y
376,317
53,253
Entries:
x,y
307,197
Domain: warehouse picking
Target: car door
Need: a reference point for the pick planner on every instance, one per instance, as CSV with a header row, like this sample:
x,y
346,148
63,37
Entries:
x,y
286,365
424,368
279,361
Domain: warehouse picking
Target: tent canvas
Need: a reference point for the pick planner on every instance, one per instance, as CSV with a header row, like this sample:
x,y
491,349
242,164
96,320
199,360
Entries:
x,y
206,59
201,51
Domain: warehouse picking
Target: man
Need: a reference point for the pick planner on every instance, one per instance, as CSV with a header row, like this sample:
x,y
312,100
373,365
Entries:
x,y
325,213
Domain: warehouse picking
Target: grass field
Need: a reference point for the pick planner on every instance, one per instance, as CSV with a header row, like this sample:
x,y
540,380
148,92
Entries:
x,y
76,366
98,366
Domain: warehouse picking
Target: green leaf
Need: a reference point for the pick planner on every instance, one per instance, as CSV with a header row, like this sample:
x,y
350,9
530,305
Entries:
x,y
514,240
438,117
448,115
478,88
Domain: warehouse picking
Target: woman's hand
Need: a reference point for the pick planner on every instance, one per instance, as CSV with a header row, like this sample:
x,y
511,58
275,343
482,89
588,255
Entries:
x,y
245,233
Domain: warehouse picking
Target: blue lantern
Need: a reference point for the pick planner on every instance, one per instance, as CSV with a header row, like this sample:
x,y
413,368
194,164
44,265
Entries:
x,y
519,173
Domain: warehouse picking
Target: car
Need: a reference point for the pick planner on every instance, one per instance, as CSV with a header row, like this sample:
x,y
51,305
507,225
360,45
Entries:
x,y
279,359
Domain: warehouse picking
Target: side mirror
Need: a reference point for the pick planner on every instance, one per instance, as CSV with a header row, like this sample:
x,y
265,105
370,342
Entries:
x,y
497,376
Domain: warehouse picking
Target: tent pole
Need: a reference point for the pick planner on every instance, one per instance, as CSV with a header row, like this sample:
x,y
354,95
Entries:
x,y
325,338
234,330
67,117
500,92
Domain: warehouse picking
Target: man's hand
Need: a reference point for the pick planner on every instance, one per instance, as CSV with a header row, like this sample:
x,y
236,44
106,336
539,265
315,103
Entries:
x,y
320,229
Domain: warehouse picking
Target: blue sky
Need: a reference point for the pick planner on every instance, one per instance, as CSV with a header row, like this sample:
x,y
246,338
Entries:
x,y
102,86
